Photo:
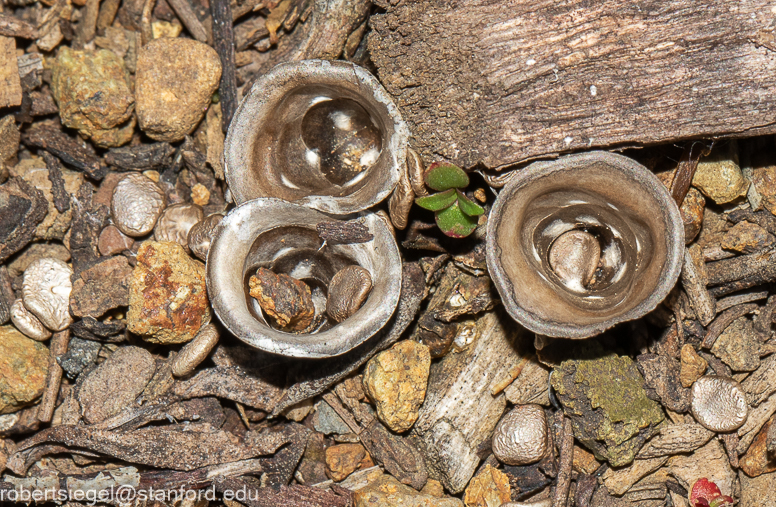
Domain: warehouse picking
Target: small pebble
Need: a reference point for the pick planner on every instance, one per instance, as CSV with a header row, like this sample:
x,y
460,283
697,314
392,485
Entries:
x,y
348,291
167,294
201,234
136,204
175,81
395,380
28,323
287,300
176,221
521,436
574,256
23,368
92,91
693,366
200,195
196,351
745,237
344,459
718,403
738,346
46,292
113,241
719,177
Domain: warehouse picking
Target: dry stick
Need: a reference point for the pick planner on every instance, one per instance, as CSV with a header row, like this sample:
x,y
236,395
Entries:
x,y
739,299
730,442
756,268
146,31
87,27
694,283
189,19
723,321
680,185
59,344
762,322
566,449
223,40
107,14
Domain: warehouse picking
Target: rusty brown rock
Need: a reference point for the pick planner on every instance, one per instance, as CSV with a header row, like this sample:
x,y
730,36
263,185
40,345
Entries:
x,y
23,369
490,488
115,383
745,237
102,287
113,241
167,294
92,91
176,79
344,459
287,300
693,366
395,380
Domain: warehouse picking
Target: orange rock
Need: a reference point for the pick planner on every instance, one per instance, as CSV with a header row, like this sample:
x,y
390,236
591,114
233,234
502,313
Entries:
x,y
344,459
488,489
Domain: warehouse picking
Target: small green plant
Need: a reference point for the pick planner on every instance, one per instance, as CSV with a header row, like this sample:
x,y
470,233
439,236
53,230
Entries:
x,y
707,494
456,214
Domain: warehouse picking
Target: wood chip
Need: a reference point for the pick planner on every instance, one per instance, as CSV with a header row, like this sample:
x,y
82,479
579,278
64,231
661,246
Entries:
x,y
723,321
10,83
675,439
694,283
619,481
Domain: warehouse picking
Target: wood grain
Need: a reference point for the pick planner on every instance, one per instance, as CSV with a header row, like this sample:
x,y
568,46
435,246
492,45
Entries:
x,y
497,82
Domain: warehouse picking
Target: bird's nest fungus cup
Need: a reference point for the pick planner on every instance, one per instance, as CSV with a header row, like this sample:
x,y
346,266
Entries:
x,y
282,237
323,134
582,243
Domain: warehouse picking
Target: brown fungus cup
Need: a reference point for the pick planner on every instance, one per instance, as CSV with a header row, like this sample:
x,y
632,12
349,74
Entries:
x,y
283,237
582,243
323,134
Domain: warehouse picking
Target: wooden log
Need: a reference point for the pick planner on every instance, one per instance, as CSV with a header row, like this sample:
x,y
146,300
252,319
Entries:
x,y
498,82
459,414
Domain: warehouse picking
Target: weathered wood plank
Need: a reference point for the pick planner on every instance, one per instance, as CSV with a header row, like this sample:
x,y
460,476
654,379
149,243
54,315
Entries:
x,y
497,82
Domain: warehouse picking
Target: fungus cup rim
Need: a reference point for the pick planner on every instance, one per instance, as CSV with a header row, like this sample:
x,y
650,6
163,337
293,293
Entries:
x,y
631,170
271,89
232,241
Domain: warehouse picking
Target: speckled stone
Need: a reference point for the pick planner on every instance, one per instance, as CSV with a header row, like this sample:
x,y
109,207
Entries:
x,y
764,180
167,294
92,91
745,237
719,177
395,380
176,79
23,369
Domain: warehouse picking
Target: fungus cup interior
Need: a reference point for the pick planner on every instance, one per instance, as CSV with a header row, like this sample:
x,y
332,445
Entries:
x,y
323,134
282,236
617,201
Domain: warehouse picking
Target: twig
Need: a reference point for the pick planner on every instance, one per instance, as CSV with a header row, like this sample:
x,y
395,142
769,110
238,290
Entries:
x,y
189,19
59,343
146,32
694,283
686,170
566,450
223,40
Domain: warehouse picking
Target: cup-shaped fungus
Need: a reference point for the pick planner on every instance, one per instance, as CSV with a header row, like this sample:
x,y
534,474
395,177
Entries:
x,y
582,243
282,240
323,134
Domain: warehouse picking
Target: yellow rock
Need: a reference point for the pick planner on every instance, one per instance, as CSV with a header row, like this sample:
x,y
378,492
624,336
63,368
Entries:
x,y
23,369
489,489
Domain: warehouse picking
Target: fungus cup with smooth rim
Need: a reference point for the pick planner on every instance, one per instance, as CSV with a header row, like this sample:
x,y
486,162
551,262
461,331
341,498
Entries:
x,y
606,198
282,237
322,134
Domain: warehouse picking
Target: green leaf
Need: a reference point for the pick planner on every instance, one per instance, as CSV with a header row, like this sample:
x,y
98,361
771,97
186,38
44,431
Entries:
x,y
468,206
443,176
454,223
437,202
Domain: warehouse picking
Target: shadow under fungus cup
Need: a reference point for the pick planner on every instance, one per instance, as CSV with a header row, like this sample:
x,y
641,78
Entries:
x,y
582,243
284,237
323,134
